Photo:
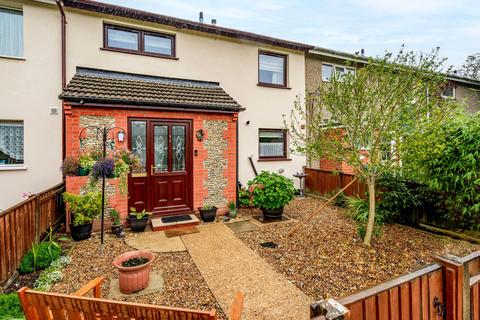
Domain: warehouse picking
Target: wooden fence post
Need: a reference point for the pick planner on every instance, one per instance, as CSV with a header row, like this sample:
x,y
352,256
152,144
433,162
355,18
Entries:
x,y
457,288
37,219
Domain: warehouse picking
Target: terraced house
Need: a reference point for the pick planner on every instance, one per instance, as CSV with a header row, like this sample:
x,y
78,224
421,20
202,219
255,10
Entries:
x,y
200,104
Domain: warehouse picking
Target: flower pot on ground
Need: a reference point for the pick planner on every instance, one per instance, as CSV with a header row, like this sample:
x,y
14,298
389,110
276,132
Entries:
x,y
83,210
208,212
117,226
232,210
134,270
271,192
138,220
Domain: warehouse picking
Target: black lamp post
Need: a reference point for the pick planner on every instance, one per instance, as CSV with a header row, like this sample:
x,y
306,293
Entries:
x,y
104,131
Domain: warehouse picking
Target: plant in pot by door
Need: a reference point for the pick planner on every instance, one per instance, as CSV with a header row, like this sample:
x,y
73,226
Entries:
x,y
271,192
208,212
83,210
232,210
138,220
134,270
117,226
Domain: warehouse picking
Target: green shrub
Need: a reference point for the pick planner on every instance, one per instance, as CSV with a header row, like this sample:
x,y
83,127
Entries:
x,y
85,207
358,211
271,190
10,307
340,200
52,274
39,257
244,198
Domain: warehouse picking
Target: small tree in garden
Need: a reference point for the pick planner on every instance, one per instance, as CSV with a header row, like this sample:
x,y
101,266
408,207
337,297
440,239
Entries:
x,y
366,119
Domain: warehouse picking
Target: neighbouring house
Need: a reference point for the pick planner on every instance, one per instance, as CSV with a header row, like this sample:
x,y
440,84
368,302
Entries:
x,y
322,64
199,103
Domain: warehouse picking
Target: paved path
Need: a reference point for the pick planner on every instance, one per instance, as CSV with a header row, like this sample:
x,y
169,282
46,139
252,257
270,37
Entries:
x,y
228,265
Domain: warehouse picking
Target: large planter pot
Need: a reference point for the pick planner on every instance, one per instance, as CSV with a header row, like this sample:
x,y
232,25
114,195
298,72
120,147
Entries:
x,y
133,279
208,215
81,232
271,214
138,225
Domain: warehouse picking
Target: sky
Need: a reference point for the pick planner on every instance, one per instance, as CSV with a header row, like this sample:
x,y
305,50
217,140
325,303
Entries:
x,y
346,25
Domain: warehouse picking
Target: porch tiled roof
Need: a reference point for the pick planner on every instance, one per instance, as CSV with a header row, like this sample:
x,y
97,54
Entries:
x,y
109,87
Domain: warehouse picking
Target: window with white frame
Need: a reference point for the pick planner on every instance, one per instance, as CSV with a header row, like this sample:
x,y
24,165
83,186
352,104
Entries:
x,y
331,70
11,33
11,142
448,92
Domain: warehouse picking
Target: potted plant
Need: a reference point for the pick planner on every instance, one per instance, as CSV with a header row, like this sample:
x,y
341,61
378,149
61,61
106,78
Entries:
x,y
134,270
86,163
117,226
138,220
271,192
232,210
70,166
208,212
104,167
83,210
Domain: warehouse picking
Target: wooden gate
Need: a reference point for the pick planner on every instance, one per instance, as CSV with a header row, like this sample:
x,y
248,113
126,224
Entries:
x,y
448,289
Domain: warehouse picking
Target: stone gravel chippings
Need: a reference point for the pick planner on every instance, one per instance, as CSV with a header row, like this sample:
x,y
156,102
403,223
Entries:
x,y
184,285
326,257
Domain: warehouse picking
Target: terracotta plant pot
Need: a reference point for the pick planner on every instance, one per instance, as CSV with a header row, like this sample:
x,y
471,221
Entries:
x,y
133,279
272,214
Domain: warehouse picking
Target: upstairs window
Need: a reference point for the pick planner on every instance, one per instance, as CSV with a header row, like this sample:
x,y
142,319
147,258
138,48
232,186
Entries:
x,y
11,142
139,41
448,92
11,33
272,144
329,71
272,69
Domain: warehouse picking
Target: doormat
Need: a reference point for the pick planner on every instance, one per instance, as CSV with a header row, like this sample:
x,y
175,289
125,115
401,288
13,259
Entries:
x,y
262,220
180,232
241,226
269,244
173,219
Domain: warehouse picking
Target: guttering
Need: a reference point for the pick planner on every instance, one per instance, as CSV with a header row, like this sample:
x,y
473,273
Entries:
x,y
63,27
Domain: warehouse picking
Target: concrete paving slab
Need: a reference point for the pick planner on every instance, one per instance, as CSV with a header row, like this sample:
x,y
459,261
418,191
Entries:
x,y
156,241
155,285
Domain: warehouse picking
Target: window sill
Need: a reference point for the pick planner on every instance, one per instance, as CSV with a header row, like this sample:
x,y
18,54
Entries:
x,y
139,53
273,86
12,168
12,58
273,159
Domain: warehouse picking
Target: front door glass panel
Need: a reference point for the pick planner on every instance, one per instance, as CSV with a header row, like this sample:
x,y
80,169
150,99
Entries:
x,y
139,142
160,146
178,148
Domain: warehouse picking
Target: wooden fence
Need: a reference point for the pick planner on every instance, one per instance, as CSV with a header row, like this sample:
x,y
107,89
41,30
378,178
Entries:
x,y
448,289
24,223
321,182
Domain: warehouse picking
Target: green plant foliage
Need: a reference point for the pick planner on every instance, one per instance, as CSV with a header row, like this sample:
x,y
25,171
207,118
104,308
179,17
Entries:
x,y
271,190
10,307
39,257
232,206
86,161
358,211
115,217
455,169
138,215
52,274
85,208
340,200
244,198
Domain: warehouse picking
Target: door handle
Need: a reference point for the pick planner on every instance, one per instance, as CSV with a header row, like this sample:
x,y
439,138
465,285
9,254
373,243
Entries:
x,y
152,168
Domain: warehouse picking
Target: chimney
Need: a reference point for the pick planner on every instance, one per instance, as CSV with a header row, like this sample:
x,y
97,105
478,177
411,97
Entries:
x,y
200,17
214,21
362,52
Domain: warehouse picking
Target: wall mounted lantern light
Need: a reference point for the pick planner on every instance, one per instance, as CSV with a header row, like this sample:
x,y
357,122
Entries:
x,y
200,134
121,136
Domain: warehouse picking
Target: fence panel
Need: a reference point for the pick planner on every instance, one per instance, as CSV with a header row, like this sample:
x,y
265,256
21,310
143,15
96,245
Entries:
x,y
24,223
321,182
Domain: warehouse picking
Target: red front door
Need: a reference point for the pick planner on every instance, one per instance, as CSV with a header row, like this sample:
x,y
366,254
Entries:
x,y
164,186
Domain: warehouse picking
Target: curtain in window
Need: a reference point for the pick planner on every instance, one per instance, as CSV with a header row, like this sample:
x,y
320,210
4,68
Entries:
x,y
273,67
271,144
11,142
11,33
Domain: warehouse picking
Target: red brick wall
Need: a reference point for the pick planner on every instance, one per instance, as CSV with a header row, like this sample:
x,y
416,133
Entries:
x,y
121,120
